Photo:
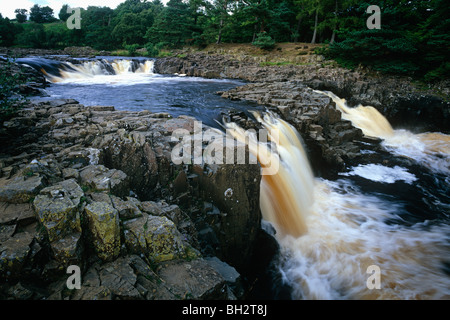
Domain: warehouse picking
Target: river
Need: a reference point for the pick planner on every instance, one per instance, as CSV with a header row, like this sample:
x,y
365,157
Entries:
x,y
378,231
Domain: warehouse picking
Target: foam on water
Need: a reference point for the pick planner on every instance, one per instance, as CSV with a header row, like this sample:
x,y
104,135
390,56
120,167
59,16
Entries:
x,y
380,173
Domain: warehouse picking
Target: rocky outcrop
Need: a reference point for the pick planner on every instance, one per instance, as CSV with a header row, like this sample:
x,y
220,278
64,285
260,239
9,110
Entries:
x,y
332,143
398,98
98,188
31,81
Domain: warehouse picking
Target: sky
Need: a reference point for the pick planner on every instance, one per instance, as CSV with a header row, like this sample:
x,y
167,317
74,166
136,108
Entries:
x,y
7,7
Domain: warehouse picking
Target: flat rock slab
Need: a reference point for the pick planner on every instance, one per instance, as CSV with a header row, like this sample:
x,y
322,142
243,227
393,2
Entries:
x,y
20,189
16,213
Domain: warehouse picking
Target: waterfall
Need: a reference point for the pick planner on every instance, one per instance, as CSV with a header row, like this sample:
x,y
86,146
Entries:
x,y
286,193
431,148
332,235
87,70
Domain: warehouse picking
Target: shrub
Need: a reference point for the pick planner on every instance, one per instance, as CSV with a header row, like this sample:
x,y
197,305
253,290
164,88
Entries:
x,y
383,50
154,50
264,41
131,48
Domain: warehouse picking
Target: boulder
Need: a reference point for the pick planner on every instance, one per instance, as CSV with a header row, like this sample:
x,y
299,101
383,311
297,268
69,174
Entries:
x,y
68,250
21,214
193,280
127,209
234,190
104,230
155,237
57,208
20,189
13,255
100,178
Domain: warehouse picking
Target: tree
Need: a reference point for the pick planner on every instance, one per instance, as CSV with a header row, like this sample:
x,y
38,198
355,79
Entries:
x,y
40,14
21,15
7,32
173,26
97,28
63,14
132,27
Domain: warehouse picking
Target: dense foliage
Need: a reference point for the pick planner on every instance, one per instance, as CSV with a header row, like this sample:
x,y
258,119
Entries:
x,y
413,38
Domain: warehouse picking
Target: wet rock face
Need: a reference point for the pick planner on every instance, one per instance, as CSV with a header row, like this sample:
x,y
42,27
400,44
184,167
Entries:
x,y
102,187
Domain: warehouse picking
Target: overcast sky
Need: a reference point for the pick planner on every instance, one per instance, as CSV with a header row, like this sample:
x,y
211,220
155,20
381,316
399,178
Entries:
x,y
7,7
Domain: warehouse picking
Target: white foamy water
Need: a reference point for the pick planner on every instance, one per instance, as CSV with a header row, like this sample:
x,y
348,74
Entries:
x,y
116,72
344,233
431,149
379,173
347,233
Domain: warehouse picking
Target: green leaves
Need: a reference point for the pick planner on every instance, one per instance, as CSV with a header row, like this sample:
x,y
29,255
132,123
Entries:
x,y
264,41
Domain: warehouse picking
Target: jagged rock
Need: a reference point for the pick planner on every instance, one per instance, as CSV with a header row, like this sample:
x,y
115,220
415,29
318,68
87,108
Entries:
x,y
57,208
196,280
231,276
104,229
19,292
21,214
239,218
6,232
127,209
20,189
68,250
156,237
13,255
100,178
172,212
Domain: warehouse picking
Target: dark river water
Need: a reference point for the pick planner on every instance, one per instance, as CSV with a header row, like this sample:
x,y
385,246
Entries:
x,y
132,85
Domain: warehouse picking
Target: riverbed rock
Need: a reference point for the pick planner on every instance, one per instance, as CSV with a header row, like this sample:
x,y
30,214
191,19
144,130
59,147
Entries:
x,y
20,189
100,178
57,208
13,255
68,250
104,230
157,238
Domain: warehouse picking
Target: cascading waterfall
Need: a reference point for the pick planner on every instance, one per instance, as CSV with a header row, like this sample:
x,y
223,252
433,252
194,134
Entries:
x,y
329,243
100,68
431,149
286,190
95,71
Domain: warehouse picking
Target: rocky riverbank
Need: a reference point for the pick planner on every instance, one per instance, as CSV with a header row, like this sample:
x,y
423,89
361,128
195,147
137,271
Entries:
x,y
288,89
97,188
404,102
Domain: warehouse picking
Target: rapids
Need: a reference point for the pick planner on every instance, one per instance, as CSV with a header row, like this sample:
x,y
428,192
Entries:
x,y
331,233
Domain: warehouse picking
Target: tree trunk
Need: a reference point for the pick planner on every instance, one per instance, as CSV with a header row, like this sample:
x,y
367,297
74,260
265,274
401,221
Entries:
x,y
297,31
333,36
222,18
315,27
219,39
255,30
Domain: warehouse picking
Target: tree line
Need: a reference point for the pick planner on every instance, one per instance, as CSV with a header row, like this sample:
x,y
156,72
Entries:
x,y
413,38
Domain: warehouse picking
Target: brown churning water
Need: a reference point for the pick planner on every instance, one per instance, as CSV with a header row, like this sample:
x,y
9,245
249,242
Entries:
x,y
331,233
